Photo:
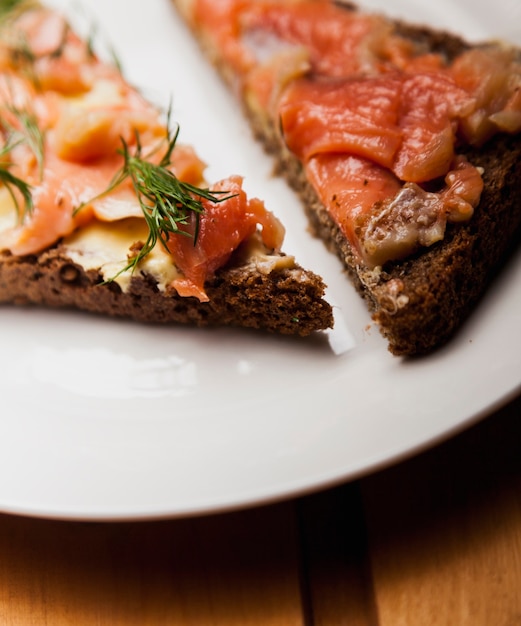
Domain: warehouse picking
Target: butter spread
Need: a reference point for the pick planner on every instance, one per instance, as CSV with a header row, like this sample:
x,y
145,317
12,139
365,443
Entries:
x,y
255,253
106,246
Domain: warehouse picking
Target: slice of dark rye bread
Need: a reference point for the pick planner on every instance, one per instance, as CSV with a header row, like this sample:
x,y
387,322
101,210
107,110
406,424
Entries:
x,y
420,302
257,288
286,300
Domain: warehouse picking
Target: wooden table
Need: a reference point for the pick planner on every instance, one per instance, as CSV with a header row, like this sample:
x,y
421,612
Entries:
x,y
433,541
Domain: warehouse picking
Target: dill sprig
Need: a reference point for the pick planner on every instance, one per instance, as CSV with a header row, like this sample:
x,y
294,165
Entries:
x,y
28,131
25,131
167,203
13,184
22,56
93,43
10,7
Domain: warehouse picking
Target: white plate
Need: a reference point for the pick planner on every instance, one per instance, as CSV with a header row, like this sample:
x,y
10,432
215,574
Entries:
x,y
112,420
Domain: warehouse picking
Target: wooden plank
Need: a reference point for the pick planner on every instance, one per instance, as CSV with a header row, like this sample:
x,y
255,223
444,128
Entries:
x,y
238,568
445,531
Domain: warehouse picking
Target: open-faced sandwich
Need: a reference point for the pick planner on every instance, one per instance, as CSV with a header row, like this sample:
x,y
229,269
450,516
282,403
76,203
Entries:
x,y
101,209
402,141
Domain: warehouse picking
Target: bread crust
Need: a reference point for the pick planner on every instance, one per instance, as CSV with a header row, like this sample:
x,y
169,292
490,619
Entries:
x,y
288,301
420,302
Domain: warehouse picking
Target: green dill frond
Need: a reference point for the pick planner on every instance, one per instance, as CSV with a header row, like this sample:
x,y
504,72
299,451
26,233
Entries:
x,y
29,132
116,61
8,6
11,7
15,41
98,45
13,184
21,55
167,203
58,51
